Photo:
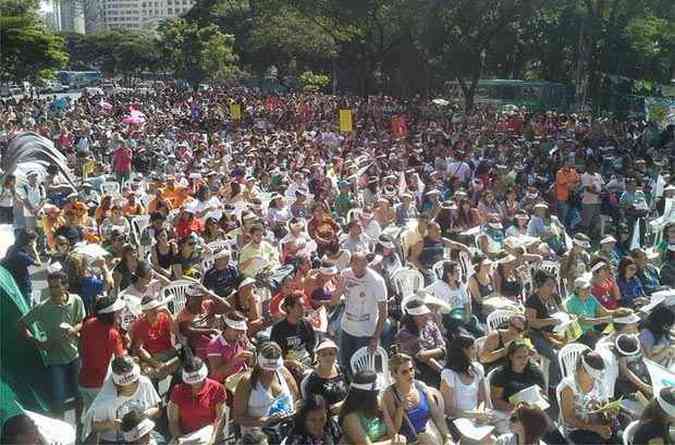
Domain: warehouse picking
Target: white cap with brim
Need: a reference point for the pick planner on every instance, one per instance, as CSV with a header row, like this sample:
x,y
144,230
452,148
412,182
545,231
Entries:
x,y
582,283
422,309
628,319
118,305
246,282
223,253
608,239
326,344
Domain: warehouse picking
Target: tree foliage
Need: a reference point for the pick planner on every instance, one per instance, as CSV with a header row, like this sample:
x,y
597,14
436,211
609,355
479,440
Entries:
x,y
115,53
197,53
29,51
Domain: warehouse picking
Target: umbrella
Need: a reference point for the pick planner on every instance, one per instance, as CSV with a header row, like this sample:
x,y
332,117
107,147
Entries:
x,y
133,120
441,102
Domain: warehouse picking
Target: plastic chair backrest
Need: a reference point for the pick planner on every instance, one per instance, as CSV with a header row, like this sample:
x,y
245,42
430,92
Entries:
x,y
407,281
363,359
465,265
216,246
110,188
438,269
138,225
174,294
497,317
629,432
567,357
207,263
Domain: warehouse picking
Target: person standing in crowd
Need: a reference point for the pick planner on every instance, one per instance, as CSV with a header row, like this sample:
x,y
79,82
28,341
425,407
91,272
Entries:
x,y
122,159
366,313
7,196
59,319
20,256
566,181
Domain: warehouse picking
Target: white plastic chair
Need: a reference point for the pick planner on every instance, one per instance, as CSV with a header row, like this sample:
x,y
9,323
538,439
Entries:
x,y
629,432
352,213
110,188
175,294
438,269
138,225
568,356
465,265
207,263
363,359
497,317
553,269
407,281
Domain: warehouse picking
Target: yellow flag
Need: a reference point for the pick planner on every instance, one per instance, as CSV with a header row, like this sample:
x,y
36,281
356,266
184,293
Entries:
x,y
346,121
235,111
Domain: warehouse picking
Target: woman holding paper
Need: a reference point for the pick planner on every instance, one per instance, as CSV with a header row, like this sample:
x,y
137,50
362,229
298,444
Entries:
x,y
581,396
410,405
518,374
463,381
540,308
196,409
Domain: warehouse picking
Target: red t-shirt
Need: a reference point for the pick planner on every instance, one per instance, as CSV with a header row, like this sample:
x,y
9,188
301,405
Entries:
x,y
198,411
122,160
154,338
98,343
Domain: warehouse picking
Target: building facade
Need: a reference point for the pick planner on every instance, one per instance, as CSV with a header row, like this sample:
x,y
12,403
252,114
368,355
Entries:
x,y
133,14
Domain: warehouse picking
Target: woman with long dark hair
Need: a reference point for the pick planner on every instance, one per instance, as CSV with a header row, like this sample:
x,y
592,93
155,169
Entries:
x,y
313,425
362,418
655,335
463,379
268,393
518,373
528,426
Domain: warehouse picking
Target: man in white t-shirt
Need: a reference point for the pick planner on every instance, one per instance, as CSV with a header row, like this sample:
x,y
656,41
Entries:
x,y
592,184
366,312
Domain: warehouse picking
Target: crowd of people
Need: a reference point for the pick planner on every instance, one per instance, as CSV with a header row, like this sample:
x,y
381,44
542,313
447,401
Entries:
x,y
242,268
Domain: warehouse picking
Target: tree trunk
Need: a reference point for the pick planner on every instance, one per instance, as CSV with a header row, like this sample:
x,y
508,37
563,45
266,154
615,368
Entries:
x,y
583,65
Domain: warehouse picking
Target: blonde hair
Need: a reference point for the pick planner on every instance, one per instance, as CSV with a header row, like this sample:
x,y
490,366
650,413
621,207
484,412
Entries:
x,y
397,360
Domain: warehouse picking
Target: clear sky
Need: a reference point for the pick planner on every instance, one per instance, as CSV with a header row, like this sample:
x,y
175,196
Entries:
x,y
45,6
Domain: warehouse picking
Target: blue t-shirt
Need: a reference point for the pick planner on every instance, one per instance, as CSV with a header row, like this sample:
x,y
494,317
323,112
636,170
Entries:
x,y
17,262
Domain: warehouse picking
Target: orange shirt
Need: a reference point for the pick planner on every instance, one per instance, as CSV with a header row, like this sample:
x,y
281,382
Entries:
x,y
564,180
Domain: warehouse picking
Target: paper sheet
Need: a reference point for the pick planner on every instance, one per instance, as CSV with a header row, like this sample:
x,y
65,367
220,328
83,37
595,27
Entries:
x,y
472,431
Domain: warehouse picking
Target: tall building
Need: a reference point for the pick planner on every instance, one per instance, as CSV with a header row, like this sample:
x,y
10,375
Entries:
x,y
133,14
69,15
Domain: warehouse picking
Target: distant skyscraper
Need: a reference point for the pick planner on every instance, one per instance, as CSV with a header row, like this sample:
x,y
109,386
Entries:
x,y
133,14
70,14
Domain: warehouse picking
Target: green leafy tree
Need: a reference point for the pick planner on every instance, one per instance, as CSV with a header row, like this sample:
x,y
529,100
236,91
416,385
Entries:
x,y
197,53
29,51
314,82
